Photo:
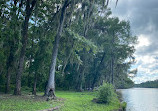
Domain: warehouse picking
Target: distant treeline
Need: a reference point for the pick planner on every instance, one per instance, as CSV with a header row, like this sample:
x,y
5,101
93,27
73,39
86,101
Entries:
x,y
148,84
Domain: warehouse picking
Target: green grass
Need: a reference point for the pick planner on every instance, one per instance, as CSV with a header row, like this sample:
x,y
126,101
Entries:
x,y
82,101
24,103
72,101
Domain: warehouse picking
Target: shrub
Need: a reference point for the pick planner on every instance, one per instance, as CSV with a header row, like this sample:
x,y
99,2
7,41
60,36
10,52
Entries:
x,y
25,88
123,105
106,93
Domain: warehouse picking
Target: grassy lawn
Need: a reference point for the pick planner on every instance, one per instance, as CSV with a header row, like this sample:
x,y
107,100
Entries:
x,y
25,103
82,101
72,101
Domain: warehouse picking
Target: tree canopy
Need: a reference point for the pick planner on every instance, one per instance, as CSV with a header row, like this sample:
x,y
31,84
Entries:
x,y
67,44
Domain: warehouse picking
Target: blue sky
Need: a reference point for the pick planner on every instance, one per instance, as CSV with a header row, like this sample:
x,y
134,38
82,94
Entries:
x,y
143,16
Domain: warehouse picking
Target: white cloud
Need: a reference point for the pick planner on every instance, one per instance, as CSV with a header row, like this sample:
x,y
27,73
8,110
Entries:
x,y
142,41
147,68
144,78
145,60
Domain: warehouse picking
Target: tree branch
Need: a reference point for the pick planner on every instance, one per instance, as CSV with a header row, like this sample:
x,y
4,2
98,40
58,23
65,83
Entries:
x,y
33,3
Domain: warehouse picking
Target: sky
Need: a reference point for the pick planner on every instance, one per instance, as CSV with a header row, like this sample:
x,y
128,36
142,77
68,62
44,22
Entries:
x,y
143,16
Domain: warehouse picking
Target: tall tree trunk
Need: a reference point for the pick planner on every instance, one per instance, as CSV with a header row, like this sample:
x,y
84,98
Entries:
x,y
67,58
17,90
30,59
29,9
96,76
10,59
7,90
51,81
112,69
9,67
112,59
80,79
34,85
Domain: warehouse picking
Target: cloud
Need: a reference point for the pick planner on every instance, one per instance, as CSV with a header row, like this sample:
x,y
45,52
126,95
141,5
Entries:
x,y
143,41
143,16
144,78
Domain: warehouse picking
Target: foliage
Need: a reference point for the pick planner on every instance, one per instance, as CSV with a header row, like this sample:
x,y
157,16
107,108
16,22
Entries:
x,y
94,47
127,83
148,84
106,93
124,105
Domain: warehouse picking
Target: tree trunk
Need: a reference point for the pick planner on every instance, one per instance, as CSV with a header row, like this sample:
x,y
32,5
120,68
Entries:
x,y
80,80
17,90
9,67
96,76
29,9
35,83
30,67
51,80
112,70
8,81
112,60
69,55
10,59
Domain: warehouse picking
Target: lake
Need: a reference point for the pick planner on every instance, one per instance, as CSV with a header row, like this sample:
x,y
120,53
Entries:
x,y
140,99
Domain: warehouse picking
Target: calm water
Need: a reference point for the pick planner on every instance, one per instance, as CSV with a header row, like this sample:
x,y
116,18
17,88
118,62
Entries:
x,y
141,99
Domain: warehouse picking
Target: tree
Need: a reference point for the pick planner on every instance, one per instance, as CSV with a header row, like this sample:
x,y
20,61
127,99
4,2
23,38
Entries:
x,y
51,81
88,47
28,11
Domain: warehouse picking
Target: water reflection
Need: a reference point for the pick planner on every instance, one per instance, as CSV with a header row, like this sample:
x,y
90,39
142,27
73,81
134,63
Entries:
x,y
141,99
